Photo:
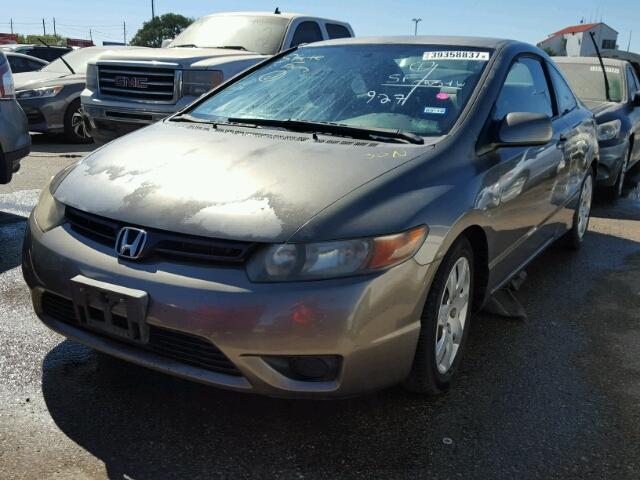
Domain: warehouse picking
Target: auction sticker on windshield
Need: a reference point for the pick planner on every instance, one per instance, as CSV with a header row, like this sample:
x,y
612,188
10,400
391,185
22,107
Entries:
x,y
457,55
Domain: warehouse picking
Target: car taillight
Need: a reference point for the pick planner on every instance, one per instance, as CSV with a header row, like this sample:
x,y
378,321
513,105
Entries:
x,y
7,90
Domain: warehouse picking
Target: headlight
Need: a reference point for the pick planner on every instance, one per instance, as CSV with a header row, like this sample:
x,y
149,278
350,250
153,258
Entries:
x,y
609,130
92,77
198,82
49,213
289,262
44,92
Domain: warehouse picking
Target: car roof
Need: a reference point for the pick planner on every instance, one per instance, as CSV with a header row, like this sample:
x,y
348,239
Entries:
x,y
614,62
287,15
454,41
27,57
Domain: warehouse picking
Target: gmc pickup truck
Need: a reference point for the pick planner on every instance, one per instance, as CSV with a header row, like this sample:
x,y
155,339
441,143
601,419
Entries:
x,y
129,90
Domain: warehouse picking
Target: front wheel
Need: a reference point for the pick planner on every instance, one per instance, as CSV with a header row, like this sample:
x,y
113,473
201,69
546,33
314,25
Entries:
x,y
444,323
582,214
74,128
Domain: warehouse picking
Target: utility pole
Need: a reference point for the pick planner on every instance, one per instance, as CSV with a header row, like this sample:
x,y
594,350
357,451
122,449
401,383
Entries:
x,y
416,21
153,10
124,32
628,46
54,26
44,28
12,26
90,36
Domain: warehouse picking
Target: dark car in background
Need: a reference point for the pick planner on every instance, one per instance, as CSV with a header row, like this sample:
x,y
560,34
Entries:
x,y
617,113
51,96
21,63
42,51
15,142
324,223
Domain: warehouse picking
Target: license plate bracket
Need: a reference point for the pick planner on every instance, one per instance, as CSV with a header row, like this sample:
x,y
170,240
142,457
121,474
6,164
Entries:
x,y
112,309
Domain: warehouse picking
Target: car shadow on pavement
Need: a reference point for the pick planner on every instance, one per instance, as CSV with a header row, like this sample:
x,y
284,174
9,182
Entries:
x,y
11,232
57,144
521,404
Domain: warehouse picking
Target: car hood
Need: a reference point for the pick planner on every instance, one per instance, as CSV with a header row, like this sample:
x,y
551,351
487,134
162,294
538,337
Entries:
x,y
183,57
228,183
598,107
27,80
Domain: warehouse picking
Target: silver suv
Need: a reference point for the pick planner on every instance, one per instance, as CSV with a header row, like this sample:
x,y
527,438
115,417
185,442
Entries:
x,y
15,142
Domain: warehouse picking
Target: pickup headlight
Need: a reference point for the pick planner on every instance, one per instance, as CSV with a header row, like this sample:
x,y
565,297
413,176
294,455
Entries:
x,y
198,82
92,77
44,92
313,261
609,130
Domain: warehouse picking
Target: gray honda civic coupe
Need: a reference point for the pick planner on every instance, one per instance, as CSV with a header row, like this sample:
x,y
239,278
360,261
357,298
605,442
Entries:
x,y
323,224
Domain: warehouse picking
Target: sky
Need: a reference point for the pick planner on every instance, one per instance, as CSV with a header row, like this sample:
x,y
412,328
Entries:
x,y
529,21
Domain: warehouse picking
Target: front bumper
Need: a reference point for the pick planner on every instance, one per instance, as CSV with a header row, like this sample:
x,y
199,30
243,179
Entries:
x,y
45,115
371,322
610,162
109,119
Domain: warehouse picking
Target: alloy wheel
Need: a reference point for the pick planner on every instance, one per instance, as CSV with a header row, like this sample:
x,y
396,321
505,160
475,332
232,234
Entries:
x,y
452,316
77,125
584,209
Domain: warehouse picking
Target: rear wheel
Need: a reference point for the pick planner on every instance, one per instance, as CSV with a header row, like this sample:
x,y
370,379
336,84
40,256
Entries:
x,y
582,214
74,128
444,323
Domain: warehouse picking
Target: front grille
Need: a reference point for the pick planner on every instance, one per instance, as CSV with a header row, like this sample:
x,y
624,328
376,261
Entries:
x,y
181,347
137,83
160,243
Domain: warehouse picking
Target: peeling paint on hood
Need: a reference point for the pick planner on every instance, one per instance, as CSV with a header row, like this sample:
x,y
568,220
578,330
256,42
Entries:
x,y
230,183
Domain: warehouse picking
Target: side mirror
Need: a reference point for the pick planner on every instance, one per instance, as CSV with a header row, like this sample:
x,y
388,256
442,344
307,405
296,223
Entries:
x,y
521,129
636,99
166,42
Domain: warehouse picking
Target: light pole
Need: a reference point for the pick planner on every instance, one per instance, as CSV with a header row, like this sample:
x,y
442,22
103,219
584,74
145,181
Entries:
x,y
416,21
153,10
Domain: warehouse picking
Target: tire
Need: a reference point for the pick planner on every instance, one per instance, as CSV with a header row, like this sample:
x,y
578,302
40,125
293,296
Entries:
x,y
580,225
614,192
430,375
74,128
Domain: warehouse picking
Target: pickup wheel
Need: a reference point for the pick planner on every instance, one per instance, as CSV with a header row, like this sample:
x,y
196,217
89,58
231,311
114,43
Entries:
x,y
444,323
74,127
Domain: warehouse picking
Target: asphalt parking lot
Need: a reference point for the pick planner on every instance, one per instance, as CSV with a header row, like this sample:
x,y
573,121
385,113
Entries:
x,y
554,396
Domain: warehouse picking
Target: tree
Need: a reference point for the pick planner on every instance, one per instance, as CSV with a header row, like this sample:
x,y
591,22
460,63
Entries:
x,y
160,28
49,39
550,51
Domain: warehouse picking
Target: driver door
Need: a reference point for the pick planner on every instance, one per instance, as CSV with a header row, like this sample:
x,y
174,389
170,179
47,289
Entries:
x,y
524,177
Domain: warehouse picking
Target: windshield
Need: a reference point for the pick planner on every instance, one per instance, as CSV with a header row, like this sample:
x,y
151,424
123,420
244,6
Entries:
x,y
78,60
587,81
415,88
261,34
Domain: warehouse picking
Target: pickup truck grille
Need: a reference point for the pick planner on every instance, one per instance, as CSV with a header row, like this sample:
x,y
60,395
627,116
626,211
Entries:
x,y
138,83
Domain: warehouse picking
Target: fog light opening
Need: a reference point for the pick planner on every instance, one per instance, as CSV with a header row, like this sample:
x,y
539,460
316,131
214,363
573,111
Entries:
x,y
307,368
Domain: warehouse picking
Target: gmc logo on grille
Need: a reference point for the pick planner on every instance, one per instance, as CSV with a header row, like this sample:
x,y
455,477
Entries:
x,y
131,82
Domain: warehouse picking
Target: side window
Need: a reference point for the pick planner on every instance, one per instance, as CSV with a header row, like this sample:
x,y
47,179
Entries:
x,y
564,95
16,64
337,31
307,32
631,83
525,90
34,65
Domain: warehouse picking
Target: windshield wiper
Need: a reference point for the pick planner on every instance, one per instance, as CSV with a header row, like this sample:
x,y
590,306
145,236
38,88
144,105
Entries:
x,y
333,128
186,45
185,117
232,47
63,60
